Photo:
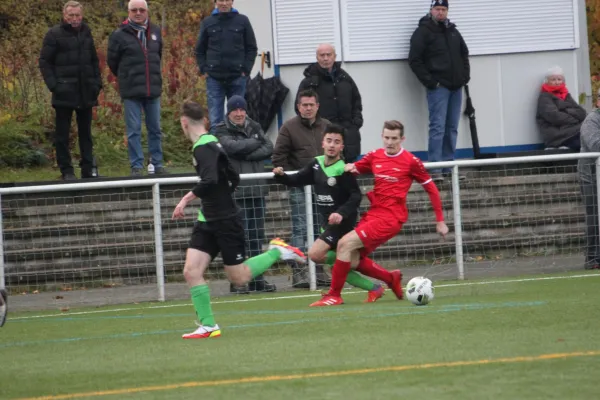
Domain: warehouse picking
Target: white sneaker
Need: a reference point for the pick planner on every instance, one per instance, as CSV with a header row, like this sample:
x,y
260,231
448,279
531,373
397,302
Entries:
x,y
288,253
203,332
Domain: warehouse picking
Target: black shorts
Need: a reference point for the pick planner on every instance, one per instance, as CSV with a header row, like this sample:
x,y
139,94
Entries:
x,y
225,236
331,234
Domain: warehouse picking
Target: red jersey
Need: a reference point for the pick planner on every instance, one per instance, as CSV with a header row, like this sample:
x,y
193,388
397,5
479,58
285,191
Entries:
x,y
394,175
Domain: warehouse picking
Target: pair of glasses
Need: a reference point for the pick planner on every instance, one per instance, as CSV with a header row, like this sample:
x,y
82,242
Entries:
x,y
138,10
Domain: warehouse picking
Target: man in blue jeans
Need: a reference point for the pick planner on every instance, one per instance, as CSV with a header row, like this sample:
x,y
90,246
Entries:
x,y
439,57
225,52
134,57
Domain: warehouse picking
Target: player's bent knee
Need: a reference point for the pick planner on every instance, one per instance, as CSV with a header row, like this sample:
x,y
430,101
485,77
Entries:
x,y
317,256
239,275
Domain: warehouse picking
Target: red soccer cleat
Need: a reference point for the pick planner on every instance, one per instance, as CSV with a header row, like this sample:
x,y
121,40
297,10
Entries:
x,y
375,294
396,285
328,300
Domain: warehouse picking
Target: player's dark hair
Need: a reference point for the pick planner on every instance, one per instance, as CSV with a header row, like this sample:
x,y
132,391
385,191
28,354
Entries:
x,y
394,125
336,129
192,110
307,93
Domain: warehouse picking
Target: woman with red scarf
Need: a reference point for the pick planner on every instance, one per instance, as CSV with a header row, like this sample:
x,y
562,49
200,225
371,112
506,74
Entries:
x,y
559,117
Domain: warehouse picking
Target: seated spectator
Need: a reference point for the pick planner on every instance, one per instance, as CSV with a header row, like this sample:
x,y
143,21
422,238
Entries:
x,y
559,116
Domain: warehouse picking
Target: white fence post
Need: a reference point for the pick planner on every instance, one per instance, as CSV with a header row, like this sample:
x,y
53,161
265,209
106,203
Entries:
x,y
158,244
310,236
460,263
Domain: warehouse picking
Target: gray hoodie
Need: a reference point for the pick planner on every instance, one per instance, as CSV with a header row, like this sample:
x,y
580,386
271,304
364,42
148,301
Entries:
x,y
590,143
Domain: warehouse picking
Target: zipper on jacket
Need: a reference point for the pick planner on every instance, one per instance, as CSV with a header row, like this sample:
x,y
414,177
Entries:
x,y
146,61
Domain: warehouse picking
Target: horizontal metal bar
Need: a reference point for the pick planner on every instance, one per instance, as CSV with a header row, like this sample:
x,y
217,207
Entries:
x,y
65,187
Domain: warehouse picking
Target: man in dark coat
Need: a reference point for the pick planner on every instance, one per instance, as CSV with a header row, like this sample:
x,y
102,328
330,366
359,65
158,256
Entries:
x,y
339,97
247,148
134,57
439,57
225,52
69,65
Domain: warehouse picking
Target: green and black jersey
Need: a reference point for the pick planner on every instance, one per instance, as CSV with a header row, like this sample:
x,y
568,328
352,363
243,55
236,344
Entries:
x,y
218,180
335,190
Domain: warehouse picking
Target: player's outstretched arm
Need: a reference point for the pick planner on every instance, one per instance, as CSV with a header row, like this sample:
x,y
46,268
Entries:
x,y
180,208
303,177
351,168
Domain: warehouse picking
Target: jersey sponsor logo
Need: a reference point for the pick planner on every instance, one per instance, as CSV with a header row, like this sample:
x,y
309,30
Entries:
x,y
363,233
330,238
387,178
324,198
316,166
331,181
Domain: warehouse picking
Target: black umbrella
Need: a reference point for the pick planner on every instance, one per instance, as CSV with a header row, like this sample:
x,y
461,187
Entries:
x,y
265,97
470,112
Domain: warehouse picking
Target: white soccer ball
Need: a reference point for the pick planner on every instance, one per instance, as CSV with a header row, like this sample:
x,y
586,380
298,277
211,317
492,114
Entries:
x,y
419,291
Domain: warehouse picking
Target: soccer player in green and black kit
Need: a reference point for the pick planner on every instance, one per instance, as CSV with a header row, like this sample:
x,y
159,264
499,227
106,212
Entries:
x,y
219,227
338,199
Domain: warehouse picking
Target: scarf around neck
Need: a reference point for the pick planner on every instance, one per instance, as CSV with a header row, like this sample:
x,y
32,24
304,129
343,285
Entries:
x,y
141,31
559,91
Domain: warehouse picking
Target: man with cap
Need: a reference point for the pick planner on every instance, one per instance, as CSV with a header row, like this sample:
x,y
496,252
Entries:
x,y
225,52
439,57
247,148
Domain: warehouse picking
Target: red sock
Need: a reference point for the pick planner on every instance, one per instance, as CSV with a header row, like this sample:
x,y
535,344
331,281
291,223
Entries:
x,y
339,273
368,267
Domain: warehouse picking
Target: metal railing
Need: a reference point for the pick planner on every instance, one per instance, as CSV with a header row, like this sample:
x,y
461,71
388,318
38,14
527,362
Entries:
x,y
157,183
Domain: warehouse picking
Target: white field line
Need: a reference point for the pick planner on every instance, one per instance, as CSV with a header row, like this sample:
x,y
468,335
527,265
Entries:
x,y
346,292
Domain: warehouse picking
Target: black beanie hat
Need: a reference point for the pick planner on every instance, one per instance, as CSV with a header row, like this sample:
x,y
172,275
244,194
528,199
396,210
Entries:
x,y
439,3
236,102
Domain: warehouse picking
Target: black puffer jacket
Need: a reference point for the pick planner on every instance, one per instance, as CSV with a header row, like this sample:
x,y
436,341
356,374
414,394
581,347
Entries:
x,y
439,55
339,102
226,46
69,65
138,70
247,148
558,120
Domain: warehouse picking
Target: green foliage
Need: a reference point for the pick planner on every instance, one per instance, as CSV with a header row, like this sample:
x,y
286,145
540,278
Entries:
x,y
25,99
19,148
593,24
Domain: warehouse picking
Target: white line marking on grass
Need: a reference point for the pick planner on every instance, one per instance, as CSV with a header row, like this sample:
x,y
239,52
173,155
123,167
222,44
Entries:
x,y
346,292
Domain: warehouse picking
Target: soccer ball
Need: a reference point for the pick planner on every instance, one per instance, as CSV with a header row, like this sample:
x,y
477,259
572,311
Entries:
x,y
419,291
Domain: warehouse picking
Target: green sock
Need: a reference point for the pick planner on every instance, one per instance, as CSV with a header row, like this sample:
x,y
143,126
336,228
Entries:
x,y
201,301
354,278
259,264
359,281
330,257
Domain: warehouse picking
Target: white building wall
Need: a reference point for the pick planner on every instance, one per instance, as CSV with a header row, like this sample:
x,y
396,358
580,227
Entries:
x,y
504,89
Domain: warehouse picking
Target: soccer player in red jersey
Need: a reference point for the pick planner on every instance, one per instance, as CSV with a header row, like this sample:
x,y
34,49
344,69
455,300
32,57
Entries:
x,y
394,170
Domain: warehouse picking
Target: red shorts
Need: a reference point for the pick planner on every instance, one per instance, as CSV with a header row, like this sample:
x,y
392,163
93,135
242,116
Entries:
x,y
374,229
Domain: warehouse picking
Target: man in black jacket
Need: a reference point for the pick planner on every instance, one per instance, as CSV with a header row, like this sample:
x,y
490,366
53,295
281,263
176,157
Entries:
x,y
339,97
134,57
247,147
225,52
439,57
69,65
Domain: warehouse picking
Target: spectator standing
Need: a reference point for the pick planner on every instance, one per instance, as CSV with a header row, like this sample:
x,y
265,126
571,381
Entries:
x,y
69,64
558,116
590,143
439,57
339,97
225,52
298,143
134,57
247,148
